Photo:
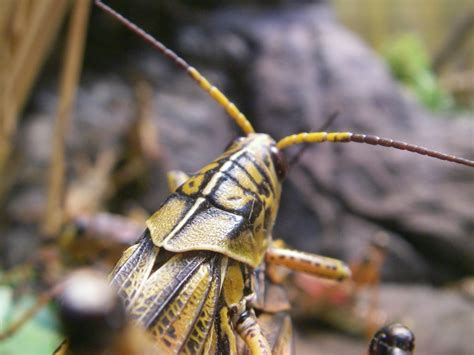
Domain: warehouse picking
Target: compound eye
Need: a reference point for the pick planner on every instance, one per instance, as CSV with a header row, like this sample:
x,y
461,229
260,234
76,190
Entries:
x,y
279,162
234,142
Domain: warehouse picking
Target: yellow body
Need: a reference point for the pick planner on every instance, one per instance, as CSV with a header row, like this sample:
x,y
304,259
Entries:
x,y
206,262
228,207
197,275
214,230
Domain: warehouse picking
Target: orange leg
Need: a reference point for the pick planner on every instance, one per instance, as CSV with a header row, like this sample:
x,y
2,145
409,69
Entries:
x,y
305,262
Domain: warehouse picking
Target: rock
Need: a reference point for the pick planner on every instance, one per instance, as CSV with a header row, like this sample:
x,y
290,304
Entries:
x,y
303,67
442,321
288,67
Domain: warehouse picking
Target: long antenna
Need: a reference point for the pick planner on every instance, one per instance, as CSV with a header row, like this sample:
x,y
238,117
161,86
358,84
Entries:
x,y
214,92
318,137
305,146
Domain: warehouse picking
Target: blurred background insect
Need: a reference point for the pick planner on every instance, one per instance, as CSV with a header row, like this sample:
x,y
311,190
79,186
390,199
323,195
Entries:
x,y
392,339
344,205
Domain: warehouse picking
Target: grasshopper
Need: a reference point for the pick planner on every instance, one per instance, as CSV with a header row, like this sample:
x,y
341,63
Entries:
x,y
200,277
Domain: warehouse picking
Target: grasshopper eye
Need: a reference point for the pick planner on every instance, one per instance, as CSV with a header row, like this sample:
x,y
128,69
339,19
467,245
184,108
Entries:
x,y
279,162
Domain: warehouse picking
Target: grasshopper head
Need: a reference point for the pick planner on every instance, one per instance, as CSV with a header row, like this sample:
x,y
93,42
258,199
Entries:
x,y
229,206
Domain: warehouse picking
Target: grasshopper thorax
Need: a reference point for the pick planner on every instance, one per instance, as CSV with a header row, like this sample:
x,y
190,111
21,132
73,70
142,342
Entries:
x,y
229,206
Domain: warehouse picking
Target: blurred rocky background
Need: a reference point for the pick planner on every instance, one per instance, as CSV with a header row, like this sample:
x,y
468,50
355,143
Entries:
x,y
289,65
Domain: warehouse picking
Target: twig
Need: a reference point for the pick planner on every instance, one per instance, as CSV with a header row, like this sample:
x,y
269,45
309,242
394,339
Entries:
x,y
69,78
27,32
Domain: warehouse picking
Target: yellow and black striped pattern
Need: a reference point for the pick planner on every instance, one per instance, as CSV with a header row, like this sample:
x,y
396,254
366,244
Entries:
x,y
197,274
178,301
228,207
194,262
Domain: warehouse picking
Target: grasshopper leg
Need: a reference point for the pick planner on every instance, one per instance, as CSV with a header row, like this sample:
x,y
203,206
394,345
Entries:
x,y
312,264
250,331
279,331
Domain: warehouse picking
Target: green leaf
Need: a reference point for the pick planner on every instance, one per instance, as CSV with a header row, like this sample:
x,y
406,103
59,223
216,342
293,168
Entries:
x,y
409,62
39,335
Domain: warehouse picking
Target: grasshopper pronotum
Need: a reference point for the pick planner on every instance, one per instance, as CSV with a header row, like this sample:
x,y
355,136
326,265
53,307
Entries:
x,y
196,279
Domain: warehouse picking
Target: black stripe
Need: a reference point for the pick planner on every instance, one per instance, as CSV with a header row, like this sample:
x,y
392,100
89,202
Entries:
x,y
237,182
260,170
246,172
162,301
207,176
223,342
260,187
242,212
